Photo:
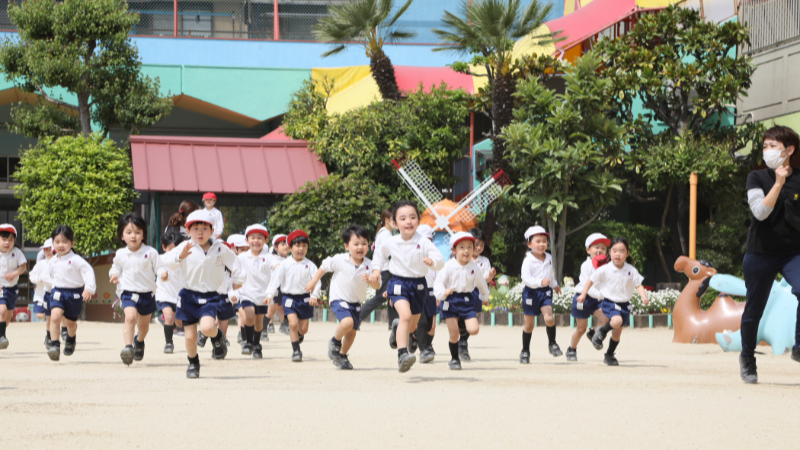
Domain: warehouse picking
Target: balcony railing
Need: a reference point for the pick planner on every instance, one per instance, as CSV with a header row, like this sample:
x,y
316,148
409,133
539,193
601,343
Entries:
x,y
771,23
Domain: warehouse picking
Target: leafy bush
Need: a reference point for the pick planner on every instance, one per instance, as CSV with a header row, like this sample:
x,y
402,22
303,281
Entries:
x,y
324,208
84,182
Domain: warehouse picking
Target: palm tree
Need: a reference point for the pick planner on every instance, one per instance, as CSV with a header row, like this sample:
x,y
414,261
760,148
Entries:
x,y
366,21
489,29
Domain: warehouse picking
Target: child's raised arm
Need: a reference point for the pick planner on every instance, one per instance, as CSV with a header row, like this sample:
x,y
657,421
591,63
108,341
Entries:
x,y
315,279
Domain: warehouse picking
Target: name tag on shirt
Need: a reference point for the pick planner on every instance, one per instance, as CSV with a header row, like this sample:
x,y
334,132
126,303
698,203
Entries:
x,y
146,265
218,260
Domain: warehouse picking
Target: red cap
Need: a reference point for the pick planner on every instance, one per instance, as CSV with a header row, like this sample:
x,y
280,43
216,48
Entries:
x,y
296,234
209,195
600,260
7,227
258,229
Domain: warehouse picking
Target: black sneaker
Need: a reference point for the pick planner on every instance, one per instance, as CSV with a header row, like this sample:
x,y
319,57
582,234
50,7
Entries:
x,y
524,357
427,355
247,348
555,350
284,328
300,338
64,334
297,356
69,348
590,334
220,349
193,371
54,352
333,350
169,347
3,342
239,337
271,328
405,362
572,354
257,352
47,341
796,354
201,339
127,355
227,342
598,338
344,363
412,343
748,371
455,364
610,359
138,349
393,334
463,351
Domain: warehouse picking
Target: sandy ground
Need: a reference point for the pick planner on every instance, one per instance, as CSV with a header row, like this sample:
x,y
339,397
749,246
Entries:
x,y
663,395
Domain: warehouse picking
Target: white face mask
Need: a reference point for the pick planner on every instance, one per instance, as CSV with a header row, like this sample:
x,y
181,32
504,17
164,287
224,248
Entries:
x,y
773,159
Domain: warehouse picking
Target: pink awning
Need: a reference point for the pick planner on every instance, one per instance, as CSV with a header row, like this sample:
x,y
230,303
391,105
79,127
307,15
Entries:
x,y
590,20
222,165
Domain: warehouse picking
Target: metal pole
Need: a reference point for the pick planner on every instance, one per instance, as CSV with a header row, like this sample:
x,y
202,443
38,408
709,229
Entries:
x,y
472,147
276,22
175,18
693,216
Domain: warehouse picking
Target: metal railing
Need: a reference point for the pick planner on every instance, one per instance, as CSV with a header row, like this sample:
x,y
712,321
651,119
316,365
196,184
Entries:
x,y
771,23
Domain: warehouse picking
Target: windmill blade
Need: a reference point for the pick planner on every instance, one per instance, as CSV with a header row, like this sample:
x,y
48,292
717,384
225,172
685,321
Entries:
x,y
479,199
424,189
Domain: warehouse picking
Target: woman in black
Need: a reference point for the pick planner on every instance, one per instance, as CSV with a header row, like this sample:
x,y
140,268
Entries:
x,y
773,242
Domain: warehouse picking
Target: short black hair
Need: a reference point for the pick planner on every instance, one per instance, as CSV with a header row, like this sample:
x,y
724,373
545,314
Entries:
x,y
356,230
134,219
401,203
7,234
171,237
299,240
63,230
477,234
785,135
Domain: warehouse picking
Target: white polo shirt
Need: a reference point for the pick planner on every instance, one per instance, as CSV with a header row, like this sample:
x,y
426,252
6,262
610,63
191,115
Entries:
x,y
617,284
9,262
167,291
219,222
461,279
205,271
346,283
292,276
259,272
137,271
407,256
483,263
40,276
534,271
72,272
587,269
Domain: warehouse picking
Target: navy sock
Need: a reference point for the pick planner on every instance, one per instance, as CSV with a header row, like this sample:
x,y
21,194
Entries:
x,y
217,337
2,329
195,360
606,328
169,330
454,350
612,346
462,330
402,351
296,345
71,339
249,332
551,334
526,341
337,342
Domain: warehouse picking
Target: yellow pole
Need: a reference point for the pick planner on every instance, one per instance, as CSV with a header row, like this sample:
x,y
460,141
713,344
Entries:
x,y
693,216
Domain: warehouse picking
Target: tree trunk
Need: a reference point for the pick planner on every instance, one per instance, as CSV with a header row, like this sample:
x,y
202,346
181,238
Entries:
x,y
561,247
502,115
85,114
661,234
682,199
383,73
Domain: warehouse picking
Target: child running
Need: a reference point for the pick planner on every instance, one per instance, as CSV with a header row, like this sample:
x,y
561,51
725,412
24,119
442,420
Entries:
x,y
348,291
14,264
596,247
73,284
202,261
292,277
258,264
426,332
40,276
225,309
537,296
455,287
411,257
488,274
616,282
280,250
168,284
135,269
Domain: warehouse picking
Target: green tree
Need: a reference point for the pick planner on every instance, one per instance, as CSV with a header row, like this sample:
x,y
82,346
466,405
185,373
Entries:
x,y
564,147
81,46
324,208
84,182
370,22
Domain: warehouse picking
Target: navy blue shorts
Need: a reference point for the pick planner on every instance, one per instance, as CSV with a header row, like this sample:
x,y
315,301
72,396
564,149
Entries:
x,y
144,302
69,300
411,290
298,304
193,305
164,305
244,304
459,305
611,309
478,304
8,297
590,305
430,309
343,310
38,308
225,309
534,299
47,298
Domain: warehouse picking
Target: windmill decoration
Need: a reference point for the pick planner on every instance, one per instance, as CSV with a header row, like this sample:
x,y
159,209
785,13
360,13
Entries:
x,y
444,216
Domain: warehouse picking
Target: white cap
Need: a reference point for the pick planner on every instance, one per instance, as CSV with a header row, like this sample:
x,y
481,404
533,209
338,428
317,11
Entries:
x,y
278,238
533,231
425,231
238,240
201,215
9,228
597,238
461,236
257,228
48,243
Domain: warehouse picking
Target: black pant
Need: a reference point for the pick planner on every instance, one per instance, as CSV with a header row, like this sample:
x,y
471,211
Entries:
x,y
759,274
376,301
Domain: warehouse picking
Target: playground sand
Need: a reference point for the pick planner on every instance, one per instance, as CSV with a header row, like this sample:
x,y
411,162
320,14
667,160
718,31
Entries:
x,y
663,395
